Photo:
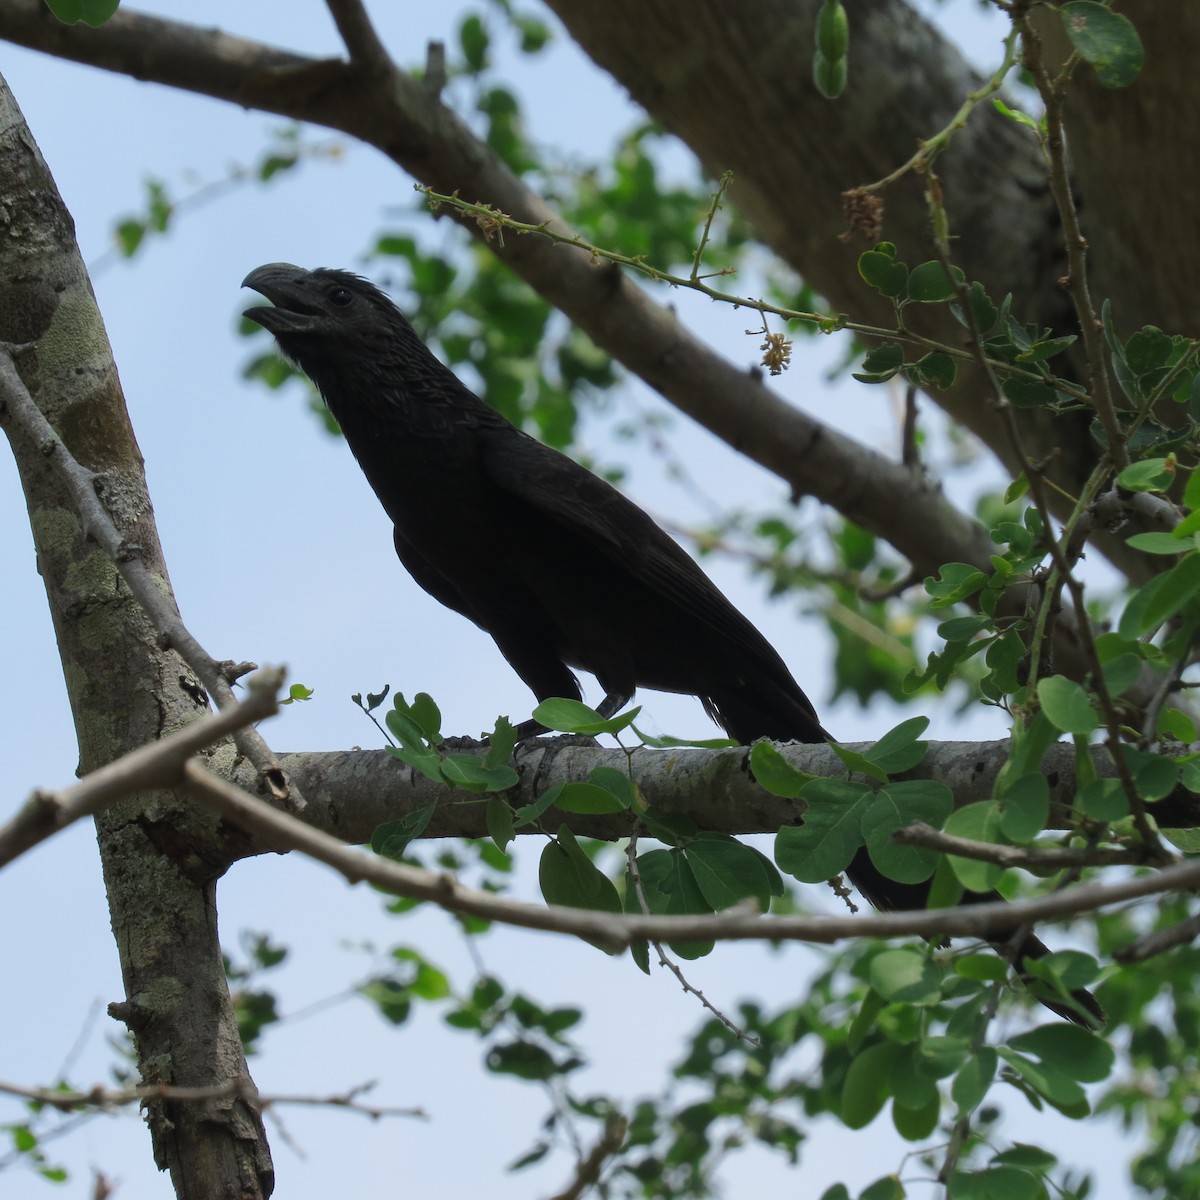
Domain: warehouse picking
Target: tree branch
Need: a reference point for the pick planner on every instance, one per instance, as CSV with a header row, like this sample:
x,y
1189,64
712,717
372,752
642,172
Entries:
x,y
357,32
107,1099
84,486
155,765
1045,857
350,792
616,931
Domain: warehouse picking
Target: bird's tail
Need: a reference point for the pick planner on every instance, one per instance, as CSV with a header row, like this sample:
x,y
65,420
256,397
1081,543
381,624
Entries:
x,y
788,716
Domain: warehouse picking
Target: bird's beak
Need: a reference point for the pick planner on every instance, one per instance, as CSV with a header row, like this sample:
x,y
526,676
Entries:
x,y
287,287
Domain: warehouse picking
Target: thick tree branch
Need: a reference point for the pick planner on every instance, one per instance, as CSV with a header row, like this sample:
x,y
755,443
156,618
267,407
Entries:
x,y
156,765
412,127
350,792
616,931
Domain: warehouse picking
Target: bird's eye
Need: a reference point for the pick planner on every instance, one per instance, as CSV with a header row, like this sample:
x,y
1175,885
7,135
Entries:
x,y
341,296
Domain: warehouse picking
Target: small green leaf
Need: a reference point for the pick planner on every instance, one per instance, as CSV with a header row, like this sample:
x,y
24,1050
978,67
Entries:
x,y
467,771
894,806
1158,543
391,839
1103,800
881,270
979,822
1066,705
498,817
906,976
1027,393
899,749
866,1086
930,284
90,12
572,716
1025,807
1107,40
1149,475
586,798
971,1084
1161,598
773,772
567,876
831,833
473,38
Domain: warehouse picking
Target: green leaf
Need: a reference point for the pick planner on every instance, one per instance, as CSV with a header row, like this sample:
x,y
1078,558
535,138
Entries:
x,y
831,833
1161,598
1040,351
971,1084
858,763
1149,475
1067,705
1077,1052
498,817
1105,39
906,976
980,822
930,284
473,38
427,716
391,838
886,1188
899,750
996,1183
586,798
671,889
1154,775
867,1084
1158,543
572,716
914,1124
726,871
934,370
881,270
955,581
894,806
773,772
1027,393
90,12
528,813
467,771
501,743
567,876
1025,807
428,762
1104,800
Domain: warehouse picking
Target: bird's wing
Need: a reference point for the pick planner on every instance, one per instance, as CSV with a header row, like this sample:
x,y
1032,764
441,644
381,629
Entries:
x,y
584,504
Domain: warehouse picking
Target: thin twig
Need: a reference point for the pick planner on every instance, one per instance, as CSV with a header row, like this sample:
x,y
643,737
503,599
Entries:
x,y
155,765
107,1099
587,1173
665,960
1048,857
17,405
1159,942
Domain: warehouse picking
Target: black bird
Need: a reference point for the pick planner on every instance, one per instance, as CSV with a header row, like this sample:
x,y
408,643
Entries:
x,y
562,570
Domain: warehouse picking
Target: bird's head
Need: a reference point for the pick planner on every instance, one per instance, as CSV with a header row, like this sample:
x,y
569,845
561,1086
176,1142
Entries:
x,y
317,313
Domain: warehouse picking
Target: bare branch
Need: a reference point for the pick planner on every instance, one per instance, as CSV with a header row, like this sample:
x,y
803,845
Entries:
x,y
18,406
1051,857
615,931
588,1171
362,42
107,1099
155,765
1159,942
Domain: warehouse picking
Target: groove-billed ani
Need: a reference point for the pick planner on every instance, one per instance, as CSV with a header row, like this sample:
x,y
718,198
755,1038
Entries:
x,y
562,570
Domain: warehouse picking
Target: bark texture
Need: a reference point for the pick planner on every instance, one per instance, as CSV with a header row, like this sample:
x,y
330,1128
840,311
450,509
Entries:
x,y
161,854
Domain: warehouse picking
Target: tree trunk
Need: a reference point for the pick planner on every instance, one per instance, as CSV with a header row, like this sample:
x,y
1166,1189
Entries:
x,y
161,855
